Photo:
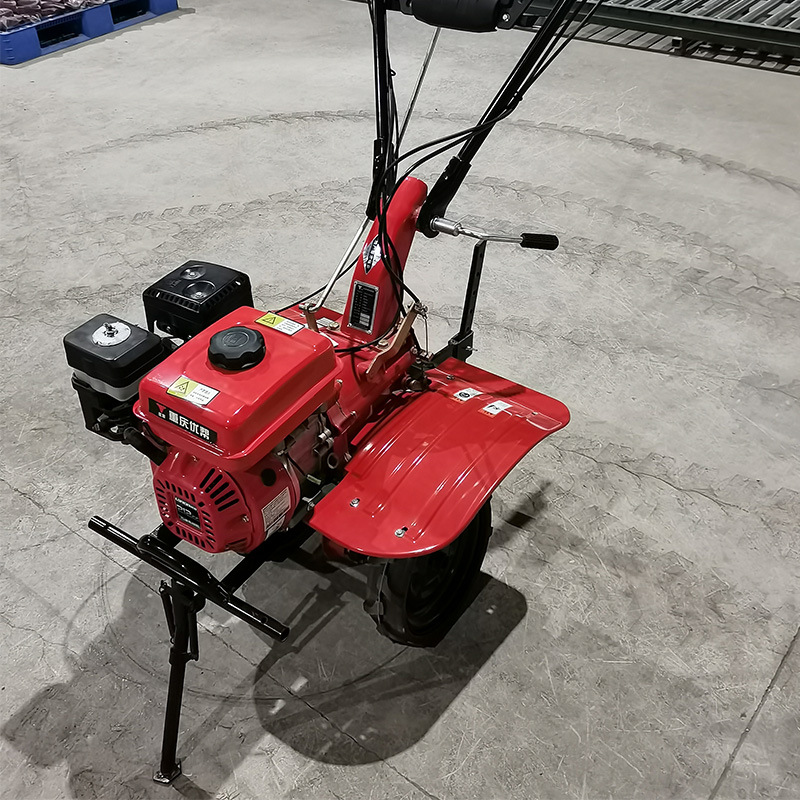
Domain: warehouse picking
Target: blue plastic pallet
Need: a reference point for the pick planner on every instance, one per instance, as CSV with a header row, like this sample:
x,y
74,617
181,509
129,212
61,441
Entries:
x,y
40,38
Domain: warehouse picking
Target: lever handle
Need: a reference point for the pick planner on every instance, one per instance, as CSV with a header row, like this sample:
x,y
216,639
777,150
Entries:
x,y
539,241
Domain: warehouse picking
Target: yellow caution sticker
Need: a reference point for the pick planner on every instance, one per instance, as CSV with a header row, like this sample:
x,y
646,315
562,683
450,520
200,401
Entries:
x,y
280,323
192,391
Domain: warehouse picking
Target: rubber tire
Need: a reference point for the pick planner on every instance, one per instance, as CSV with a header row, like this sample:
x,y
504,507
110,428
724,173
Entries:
x,y
394,612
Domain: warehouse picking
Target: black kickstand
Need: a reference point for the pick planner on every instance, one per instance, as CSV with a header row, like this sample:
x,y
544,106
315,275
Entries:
x,y
181,605
191,584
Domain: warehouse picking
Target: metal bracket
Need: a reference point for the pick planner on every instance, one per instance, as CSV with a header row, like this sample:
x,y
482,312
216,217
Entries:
x,y
460,345
393,348
181,605
310,316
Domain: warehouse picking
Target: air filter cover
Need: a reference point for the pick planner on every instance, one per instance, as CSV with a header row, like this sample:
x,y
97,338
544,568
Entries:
x,y
194,296
112,355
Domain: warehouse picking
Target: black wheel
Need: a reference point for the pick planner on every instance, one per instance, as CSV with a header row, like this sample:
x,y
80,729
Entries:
x,y
415,601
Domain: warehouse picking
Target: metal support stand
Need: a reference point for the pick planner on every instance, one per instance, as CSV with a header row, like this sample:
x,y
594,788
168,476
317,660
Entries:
x,y
181,605
190,586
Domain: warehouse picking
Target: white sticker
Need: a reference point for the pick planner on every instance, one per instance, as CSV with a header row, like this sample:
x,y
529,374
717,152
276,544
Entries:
x,y
493,409
289,326
466,394
371,255
274,512
192,391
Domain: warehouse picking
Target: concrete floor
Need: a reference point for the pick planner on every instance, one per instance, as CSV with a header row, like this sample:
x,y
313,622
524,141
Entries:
x,y
636,633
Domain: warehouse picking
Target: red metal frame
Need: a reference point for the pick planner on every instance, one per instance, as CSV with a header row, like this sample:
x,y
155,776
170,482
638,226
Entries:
x,y
401,223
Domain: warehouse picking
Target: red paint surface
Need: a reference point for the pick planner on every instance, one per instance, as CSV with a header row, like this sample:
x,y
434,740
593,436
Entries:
x,y
401,224
255,408
430,463
229,505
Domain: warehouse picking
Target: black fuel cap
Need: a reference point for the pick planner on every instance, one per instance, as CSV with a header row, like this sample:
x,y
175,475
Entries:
x,y
236,348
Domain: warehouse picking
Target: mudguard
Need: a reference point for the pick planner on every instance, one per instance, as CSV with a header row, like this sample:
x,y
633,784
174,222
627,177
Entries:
x,y
421,472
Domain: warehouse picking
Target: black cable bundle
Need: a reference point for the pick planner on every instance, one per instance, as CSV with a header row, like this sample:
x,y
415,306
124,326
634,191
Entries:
x,y
538,56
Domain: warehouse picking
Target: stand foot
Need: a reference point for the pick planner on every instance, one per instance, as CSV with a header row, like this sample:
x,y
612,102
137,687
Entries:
x,y
181,605
165,779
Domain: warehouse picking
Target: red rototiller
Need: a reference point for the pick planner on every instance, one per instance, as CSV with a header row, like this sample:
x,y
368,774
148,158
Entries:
x,y
266,427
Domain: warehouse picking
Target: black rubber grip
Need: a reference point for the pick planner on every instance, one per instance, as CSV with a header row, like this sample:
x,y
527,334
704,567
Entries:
x,y
539,241
477,16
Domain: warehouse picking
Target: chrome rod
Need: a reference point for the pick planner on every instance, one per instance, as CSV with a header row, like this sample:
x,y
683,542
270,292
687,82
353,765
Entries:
x,y
420,78
337,273
442,225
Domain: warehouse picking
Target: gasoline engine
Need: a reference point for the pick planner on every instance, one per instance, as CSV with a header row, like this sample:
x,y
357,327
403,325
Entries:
x,y
225,476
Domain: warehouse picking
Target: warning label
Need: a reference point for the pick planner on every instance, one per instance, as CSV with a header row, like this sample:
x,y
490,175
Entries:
x,y
466,394
274,512
280,323
493,409
192,391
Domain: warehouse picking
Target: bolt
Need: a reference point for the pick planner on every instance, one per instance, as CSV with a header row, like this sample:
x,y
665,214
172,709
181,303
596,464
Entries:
x,y
334,326
245,518
450,377
339,382
354,502
506,18
400,532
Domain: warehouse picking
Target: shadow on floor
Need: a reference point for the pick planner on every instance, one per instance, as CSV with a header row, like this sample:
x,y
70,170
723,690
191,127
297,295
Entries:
x,y
336,692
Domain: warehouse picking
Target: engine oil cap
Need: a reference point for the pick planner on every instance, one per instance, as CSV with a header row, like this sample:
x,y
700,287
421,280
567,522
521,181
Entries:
x,y
236,348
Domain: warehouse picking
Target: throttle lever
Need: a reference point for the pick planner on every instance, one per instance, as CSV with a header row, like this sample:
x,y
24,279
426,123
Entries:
x,y
539,241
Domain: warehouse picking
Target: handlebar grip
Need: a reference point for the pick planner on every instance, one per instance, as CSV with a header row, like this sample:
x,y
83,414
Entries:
x,y
539,241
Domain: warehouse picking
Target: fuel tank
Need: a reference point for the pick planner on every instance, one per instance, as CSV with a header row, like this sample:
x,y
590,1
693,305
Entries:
x,y
232,393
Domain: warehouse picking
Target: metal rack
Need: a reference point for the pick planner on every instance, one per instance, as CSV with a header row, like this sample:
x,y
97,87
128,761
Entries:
x,y
770,27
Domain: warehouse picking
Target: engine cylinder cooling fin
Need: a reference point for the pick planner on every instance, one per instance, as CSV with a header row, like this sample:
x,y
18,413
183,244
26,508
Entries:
x,y
217,511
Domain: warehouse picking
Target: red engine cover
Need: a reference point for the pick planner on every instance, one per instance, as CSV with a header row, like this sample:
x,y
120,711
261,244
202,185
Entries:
x,y
215,511
233,419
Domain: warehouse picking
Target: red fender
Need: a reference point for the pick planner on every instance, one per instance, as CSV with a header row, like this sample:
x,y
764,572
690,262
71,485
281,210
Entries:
x,y
421,472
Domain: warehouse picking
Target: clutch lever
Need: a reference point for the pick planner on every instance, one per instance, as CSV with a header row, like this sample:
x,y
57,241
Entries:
x,y
538,241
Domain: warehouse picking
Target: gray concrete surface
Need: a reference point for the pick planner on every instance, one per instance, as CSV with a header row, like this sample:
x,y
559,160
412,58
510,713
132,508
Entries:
x,y
635,636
